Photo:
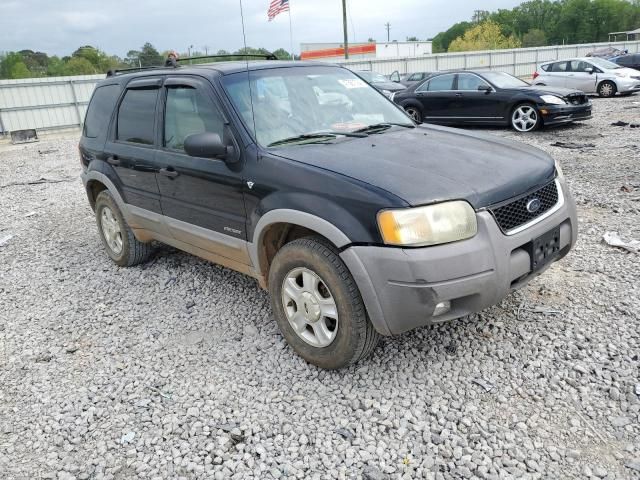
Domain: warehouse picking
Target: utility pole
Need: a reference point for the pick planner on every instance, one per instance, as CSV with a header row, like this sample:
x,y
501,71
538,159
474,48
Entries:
x,y
388,27
344,26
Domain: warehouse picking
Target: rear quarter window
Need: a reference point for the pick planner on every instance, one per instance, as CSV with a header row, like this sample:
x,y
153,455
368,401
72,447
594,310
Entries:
x,y
136,116
100,110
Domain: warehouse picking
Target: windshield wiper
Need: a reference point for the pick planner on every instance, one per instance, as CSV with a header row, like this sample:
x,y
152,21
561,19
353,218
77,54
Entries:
x,y
317,136
379,127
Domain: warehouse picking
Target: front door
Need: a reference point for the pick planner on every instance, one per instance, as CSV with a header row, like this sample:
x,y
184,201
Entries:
x,y
130,146
579,79
202,198
474,105
437,96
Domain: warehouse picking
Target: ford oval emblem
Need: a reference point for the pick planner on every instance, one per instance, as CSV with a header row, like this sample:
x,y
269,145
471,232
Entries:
x,y
533,205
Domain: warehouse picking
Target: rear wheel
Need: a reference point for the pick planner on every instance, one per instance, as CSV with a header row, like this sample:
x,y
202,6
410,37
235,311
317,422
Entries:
x,y
607,89
318,306
118,238
525,118
414,112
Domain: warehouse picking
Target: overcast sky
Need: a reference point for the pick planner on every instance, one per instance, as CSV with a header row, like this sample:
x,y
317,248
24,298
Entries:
x,y
117,26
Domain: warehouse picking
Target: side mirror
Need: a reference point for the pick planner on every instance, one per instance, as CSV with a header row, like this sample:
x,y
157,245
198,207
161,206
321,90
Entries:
x,y
485,88
395,77
207,145
589,70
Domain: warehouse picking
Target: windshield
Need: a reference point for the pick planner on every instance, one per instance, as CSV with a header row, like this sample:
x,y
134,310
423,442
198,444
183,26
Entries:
x,y
604,64
504,80
298,101
372,77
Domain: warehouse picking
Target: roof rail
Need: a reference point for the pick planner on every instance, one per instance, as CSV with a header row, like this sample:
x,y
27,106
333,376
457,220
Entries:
x,y
176,62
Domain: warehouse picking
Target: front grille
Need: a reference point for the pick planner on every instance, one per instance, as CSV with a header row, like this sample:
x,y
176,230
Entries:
x,y
577,99
514,213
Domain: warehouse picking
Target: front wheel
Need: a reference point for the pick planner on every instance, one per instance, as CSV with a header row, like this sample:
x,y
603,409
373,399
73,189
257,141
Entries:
x,y
607,89
525,118
318,306
414,112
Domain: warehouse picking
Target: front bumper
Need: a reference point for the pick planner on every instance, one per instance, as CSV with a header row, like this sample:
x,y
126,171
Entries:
x,y
626,85
401,287
557,114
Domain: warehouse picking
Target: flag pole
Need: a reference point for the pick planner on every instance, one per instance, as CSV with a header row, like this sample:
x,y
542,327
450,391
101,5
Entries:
x,y
291,32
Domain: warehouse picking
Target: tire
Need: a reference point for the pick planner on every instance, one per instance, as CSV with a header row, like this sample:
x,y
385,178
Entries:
x,y
117,237
309,284
525,117
607,89
414,112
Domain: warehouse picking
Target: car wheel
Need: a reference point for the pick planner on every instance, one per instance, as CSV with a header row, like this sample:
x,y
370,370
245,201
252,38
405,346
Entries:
x,y
318,306
607,89
414,112
118,238
525,118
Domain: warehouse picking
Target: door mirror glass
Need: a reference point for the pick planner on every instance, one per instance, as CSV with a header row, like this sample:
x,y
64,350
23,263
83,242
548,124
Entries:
x,y
206,145
484,88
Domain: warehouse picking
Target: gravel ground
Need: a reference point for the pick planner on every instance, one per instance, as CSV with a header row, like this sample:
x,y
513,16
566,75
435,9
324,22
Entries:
x,y
176,369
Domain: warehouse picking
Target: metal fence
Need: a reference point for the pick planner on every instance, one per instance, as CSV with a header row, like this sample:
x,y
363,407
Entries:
x,y
45,103
61,102
520,62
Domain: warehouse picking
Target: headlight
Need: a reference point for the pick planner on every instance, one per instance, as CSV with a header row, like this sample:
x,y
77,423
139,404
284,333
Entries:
x,y
430,225
393,96
559,171
552,100
622,74
386,93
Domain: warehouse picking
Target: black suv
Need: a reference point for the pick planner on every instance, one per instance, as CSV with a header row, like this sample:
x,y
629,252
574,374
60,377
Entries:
x,y
359,222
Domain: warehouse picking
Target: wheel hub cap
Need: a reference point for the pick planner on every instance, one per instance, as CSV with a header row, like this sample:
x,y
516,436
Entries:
x,y
310,307
111,230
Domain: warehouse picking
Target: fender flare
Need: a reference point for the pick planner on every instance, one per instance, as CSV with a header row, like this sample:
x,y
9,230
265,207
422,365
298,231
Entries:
x,y
296,217
94,175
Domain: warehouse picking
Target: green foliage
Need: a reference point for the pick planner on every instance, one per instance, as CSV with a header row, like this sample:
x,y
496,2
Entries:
x,y
484,36
534,38
79,66
413,39
442,41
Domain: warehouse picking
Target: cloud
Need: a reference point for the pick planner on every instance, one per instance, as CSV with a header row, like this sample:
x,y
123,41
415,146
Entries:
x,y
83,21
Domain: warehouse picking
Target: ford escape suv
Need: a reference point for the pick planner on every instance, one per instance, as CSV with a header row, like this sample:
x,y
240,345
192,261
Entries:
x,y
359,222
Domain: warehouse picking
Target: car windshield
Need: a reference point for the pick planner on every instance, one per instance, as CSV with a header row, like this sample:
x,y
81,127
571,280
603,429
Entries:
x,y
372,77
604,64
504,80
310,104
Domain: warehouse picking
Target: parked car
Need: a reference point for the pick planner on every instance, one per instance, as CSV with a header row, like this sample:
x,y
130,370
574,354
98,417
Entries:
x,y
628,61
491,98
358,222
591,75
380,82
606,53
398,77
415,78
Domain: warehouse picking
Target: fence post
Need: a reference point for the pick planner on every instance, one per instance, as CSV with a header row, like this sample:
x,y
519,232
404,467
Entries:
x,y
464,55
515,56
75,102
2,130
437,67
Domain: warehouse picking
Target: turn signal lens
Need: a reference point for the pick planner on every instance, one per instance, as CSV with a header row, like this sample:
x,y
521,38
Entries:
x,y
430,225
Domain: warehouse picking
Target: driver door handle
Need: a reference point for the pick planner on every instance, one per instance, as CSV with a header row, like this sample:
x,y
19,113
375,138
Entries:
x,y
113,160
169,173
458,94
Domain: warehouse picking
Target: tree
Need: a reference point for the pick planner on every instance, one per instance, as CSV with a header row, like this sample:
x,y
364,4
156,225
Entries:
x,y
534,38
442,41
371,40
413,39
79,66
13,66
485,36
282,54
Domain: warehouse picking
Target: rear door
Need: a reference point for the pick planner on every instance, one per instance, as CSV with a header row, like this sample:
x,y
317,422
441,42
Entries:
x,y
202,198
578,78
556,75
130,148
437,96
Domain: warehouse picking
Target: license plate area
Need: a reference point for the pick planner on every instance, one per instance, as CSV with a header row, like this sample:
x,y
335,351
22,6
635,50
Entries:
x,y
544,249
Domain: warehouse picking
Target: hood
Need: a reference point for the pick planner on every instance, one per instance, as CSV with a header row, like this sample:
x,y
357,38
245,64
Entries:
x,y
391,86
430,164
545,90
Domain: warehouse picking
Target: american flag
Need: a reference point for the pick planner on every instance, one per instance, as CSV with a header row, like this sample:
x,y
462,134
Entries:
x,y
276,7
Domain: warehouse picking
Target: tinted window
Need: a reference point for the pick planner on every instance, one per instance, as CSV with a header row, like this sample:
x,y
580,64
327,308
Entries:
x,y
441,82
578,66
100,109
558,67
136,116
466,81
188,112
416,77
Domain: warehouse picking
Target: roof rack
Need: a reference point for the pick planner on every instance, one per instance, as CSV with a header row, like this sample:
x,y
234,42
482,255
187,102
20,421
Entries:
x,y
176,63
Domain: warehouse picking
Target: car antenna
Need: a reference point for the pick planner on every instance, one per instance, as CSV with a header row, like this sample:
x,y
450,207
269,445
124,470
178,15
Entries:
x,y
244,40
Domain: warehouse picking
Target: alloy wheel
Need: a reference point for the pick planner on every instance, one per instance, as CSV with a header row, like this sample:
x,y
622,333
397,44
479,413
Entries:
x,y
524,118
310,307
111,230
413,113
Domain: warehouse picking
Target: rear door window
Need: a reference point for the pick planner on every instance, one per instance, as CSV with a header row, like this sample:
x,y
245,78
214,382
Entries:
x,y
100,110
468,81
439,83
136,116
559,67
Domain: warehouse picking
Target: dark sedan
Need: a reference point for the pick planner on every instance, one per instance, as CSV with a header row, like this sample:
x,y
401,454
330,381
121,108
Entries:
x,y
629,61
380,82
491,98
